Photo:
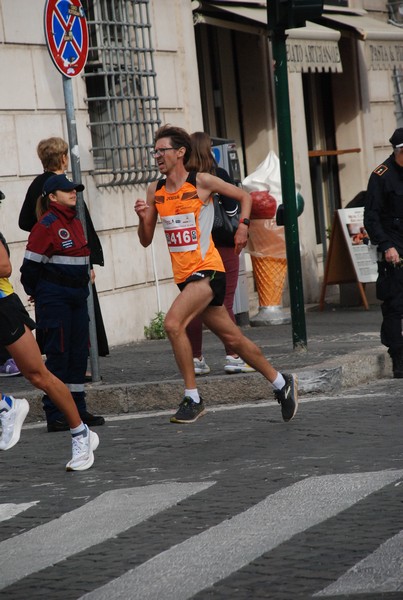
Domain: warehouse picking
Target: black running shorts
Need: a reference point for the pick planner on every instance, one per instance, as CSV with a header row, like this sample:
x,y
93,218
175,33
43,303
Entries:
x,y
13,318
217,284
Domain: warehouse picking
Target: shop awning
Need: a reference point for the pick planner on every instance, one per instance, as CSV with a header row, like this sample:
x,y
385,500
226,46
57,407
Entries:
x,y
310,48
313,48
383,42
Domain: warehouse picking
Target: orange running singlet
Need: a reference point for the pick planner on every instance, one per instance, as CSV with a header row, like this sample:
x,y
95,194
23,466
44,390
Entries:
x,y
187,224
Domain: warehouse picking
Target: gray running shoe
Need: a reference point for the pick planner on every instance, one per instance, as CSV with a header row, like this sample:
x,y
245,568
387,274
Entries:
x,y
201,367
236,365
288,396
188,411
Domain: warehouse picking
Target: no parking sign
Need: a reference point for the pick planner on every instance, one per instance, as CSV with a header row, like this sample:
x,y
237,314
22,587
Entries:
x,y
66,34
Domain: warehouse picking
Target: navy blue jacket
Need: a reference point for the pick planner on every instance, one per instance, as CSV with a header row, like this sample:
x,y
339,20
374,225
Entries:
x,y
383,214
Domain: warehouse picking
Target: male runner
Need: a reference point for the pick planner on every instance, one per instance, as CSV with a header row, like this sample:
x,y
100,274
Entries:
x,y
184,202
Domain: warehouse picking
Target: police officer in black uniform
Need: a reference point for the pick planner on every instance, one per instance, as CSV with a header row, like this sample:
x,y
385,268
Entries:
x,y
383,220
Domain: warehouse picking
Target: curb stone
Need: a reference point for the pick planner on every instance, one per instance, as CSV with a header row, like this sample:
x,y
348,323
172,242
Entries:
x,y
328,377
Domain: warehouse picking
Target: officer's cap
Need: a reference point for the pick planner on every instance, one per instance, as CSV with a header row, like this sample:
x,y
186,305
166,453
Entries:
x,y
62,183
397,138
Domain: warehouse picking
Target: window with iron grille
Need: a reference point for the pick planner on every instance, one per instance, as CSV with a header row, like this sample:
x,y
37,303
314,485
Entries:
x,y
398,95
121,91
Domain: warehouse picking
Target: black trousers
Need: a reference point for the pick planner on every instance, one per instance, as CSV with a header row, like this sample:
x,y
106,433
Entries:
x,y
389,289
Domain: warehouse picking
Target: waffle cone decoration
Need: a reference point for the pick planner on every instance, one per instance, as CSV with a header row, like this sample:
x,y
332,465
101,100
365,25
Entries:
x,y
270,274
266,239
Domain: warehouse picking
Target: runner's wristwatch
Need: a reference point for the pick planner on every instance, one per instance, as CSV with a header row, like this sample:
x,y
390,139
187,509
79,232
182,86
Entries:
x,y
245,221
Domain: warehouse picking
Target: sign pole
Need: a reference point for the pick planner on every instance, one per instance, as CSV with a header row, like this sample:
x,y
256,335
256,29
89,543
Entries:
x,y
76,172
66,34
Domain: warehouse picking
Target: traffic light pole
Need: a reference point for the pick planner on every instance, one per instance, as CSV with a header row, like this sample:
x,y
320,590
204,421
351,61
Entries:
x,y
288,190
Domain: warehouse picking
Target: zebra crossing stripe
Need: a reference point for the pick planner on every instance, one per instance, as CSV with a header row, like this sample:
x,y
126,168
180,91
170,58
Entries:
x,y
98,520
377,573
201,561
9,511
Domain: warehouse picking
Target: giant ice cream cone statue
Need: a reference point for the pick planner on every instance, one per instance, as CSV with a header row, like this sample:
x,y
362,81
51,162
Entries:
x,y
266,244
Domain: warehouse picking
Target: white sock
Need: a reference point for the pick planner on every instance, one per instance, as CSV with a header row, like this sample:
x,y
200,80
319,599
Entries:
x,y
194,394
279,382
77,430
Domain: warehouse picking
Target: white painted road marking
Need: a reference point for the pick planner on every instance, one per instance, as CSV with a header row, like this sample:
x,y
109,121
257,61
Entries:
x,y
224,549
8,511
95,522
380,572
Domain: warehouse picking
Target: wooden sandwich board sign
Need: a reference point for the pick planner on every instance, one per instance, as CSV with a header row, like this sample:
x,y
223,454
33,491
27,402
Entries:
x,y
66,33
351,258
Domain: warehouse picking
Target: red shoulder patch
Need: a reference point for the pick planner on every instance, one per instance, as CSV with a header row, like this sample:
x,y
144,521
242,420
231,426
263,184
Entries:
x,y
380,170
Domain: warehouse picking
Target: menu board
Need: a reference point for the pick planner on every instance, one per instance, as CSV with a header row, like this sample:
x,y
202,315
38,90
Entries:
x,y
351,257
363,254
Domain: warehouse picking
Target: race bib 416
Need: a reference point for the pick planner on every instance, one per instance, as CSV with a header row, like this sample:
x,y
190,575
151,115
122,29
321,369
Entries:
x,y
180,232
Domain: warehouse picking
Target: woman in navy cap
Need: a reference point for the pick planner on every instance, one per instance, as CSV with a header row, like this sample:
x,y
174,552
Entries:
x,y
55,273
383,220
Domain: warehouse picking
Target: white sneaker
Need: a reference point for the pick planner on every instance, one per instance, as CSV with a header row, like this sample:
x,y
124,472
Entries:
x,y
237,365
11,423
83,450
201,367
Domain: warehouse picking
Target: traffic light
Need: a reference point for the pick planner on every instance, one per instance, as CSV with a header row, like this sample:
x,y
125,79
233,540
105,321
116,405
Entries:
x,y
286,14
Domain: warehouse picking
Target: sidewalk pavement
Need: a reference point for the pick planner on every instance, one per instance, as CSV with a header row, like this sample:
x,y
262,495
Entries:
x,y
343,350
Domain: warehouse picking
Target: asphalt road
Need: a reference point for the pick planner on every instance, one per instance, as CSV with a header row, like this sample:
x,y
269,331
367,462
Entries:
x,y
238,505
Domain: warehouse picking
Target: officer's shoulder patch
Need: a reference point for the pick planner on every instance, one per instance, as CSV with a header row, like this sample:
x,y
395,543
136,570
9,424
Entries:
x,y
48,219
380,170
